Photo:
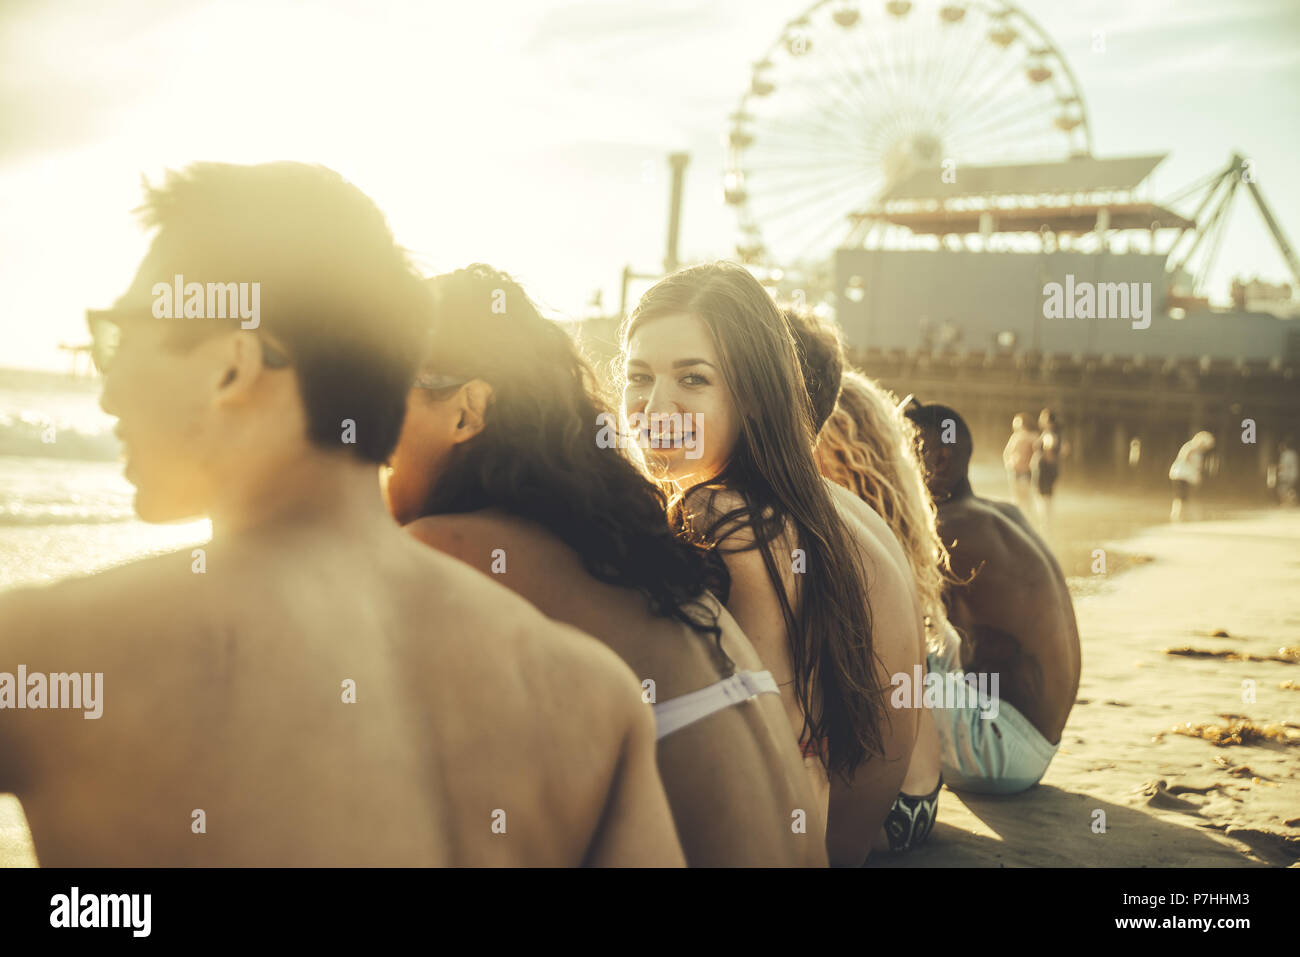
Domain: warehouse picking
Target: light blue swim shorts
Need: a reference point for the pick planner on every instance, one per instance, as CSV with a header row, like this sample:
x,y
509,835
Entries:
x,y
1004,754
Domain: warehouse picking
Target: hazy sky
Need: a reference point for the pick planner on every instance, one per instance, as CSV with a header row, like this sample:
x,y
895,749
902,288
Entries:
x,y
527,134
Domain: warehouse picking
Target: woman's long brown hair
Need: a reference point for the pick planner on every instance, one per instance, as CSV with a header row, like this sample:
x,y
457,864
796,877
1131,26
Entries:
x,y
772,468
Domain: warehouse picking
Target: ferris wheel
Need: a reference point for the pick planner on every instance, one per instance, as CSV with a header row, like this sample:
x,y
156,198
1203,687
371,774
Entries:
x,y
854,97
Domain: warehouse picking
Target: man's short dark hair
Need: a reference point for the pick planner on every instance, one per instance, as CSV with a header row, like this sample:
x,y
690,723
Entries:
x,y
821,359
336,289
941,419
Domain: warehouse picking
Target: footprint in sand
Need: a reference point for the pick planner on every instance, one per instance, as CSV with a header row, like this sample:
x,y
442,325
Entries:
x,y
1160,795
1192,789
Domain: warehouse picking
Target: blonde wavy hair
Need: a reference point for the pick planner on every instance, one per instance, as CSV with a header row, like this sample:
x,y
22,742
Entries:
x,y
869,447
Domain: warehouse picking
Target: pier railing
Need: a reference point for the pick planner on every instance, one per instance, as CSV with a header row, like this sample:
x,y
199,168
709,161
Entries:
x,y
1106,402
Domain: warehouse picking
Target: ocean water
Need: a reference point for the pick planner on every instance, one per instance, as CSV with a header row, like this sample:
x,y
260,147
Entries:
x,y
65,508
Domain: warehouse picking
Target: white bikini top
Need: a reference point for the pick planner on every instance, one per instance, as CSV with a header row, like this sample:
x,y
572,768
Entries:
x,y
677,713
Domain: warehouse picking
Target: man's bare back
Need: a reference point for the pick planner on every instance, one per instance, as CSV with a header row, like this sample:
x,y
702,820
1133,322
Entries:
x,y
735,779
1015,615
315,700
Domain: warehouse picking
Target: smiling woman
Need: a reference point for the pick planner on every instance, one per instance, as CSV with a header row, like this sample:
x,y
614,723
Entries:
x,y
674,431
673,379
708,341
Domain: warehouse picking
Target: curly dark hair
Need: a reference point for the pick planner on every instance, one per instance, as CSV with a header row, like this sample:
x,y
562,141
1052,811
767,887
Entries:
x,y
544,452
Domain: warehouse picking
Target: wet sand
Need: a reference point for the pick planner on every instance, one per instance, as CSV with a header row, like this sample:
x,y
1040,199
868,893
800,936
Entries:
x,y
1168,800
1165,586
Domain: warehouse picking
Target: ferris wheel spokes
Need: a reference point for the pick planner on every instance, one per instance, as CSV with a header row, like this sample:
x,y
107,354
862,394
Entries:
x,y
850,99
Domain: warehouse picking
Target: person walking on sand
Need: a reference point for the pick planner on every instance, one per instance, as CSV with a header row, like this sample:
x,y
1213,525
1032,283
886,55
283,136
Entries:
x,y
1018,457
1045,466
1188,470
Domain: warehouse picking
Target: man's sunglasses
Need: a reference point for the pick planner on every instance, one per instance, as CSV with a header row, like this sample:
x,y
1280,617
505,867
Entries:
x,y
106,336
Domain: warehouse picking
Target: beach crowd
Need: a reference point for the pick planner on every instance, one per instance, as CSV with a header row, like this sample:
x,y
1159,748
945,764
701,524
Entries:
x,y
462,607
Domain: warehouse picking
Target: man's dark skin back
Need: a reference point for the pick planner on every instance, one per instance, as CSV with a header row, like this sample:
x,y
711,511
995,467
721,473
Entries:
x,y
1013,611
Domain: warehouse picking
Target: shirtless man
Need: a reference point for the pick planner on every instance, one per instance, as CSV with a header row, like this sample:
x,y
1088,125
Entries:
x,y
1015,620
313,687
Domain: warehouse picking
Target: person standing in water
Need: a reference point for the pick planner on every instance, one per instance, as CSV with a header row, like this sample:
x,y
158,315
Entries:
x,y
1045,467
1018,457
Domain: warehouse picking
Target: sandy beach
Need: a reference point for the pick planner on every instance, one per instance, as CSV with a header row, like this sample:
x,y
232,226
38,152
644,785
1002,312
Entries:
x,y
1168,800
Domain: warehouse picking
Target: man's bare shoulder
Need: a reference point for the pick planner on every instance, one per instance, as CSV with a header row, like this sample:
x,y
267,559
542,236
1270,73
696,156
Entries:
x,y
973,534
972,522
983,539
569,683
1010,511
1028,535
115,598
581,661
499,624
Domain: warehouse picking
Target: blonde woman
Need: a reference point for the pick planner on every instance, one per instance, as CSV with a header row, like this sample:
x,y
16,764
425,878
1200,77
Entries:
x,y
868,446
